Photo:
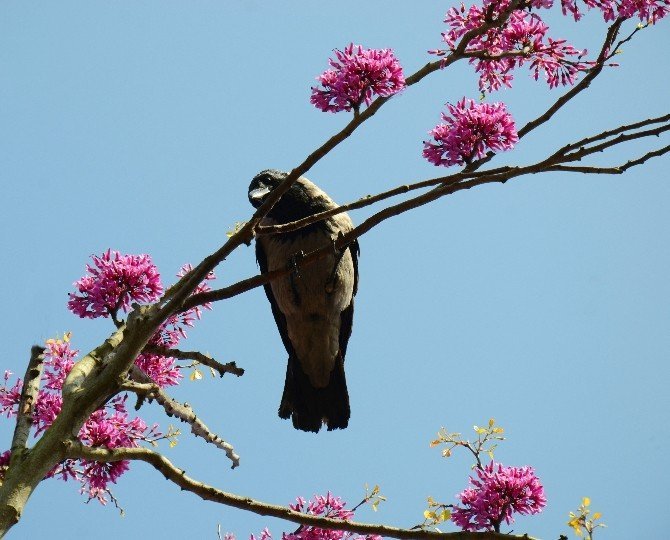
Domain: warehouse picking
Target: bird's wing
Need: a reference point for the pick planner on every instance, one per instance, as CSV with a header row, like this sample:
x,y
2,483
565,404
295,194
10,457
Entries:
x,y
347,316
280,319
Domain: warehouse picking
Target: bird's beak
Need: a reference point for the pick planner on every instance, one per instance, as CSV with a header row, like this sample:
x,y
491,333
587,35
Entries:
x,y
258,193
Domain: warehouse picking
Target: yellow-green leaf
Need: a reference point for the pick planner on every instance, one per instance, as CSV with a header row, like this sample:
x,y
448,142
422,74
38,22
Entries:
x,y
586,501
597,515
445,515
491,422
173,443
428,514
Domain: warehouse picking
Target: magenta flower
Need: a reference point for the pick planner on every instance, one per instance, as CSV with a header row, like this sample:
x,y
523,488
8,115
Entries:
x,y
162,369
499,50
109,427
496,494
327,506
356,75
113,282
645,10
469,131
171,332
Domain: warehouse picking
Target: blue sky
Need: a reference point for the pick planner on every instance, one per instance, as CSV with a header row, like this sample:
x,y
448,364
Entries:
x,y
542,303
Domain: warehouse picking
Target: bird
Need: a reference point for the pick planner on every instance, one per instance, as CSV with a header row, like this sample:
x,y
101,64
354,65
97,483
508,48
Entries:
x,y
313,306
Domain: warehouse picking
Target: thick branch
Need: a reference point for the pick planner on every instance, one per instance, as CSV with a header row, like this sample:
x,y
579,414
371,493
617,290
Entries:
x,y
230,367
184,412
31,387
178,476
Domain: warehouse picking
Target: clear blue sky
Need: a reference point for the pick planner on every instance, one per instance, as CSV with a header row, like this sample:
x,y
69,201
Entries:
x,y
543,303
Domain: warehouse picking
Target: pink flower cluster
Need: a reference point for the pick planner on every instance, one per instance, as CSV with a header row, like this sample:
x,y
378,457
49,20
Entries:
x,y
645,10
326,506
113,282
108,427
356,75
496,494
522,39
163,369
469,131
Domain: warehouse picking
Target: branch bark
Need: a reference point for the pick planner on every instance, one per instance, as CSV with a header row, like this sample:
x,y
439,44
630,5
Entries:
x,y
208,493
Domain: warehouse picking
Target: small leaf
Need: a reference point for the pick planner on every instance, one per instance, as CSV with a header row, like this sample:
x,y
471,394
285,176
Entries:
x,y
173,443
375,490
597,515
375,505
196,375
434,443
491,422
445,515
428,514
586,501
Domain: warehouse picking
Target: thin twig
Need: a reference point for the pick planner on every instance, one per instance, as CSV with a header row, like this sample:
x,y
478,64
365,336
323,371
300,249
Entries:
x,y
145,387
230,367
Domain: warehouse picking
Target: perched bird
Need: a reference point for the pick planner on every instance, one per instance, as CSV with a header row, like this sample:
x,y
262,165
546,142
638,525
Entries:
x,y
313,306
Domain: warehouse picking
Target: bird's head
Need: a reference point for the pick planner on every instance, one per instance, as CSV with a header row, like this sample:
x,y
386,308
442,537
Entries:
x,y
301,200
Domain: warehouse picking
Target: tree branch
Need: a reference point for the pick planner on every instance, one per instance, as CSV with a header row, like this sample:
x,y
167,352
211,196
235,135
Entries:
x,y
447,185
24,418
620,169
230,367
184,412
76,450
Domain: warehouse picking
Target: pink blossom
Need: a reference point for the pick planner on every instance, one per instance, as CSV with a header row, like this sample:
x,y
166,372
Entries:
x,y
113,282
469,131
170,333
496,494
327,506
162,369
645,10
265,535
108,427
58,361
499,50
356,75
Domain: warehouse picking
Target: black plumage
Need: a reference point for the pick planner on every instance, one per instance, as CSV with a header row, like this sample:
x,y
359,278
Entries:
x,y
313,306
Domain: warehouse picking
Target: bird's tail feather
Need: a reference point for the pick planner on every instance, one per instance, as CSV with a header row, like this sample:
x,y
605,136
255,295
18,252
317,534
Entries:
x,y
309,407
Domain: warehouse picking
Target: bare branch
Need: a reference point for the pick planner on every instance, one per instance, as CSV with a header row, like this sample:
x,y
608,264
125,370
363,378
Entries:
x,y
184,412
76,450
610,133
620,169
230,367
31,387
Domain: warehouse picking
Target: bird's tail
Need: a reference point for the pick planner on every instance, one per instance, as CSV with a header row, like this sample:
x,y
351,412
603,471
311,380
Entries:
x,y
309,407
